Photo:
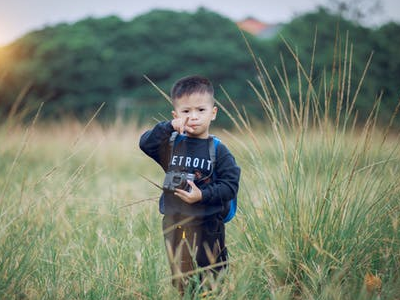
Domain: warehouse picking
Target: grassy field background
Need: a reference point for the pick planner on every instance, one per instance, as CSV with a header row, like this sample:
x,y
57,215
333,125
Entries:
x,y
319,203
318,212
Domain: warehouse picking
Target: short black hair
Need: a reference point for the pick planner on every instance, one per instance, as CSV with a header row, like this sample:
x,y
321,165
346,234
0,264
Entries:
x,y
190,85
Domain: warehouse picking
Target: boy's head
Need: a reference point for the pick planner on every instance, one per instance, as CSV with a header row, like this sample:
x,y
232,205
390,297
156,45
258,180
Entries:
x,y
193,101
189,85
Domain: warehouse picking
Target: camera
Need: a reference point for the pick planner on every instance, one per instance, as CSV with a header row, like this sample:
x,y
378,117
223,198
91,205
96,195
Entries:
x,y
177,180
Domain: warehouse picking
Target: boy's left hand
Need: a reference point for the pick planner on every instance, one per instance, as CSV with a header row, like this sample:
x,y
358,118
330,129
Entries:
x,y
191,197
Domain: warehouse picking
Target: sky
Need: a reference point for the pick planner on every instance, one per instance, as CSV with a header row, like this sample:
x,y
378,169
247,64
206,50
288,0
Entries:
x,y
18,17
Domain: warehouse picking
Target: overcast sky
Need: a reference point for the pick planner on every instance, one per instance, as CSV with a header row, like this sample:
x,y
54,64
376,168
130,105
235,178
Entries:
x,y
18,17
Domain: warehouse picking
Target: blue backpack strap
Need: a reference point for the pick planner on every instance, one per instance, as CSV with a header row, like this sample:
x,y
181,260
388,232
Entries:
x,y
213,148
173,140
232,210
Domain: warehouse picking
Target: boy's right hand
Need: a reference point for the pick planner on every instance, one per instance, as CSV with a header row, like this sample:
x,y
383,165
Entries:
x,y
180,125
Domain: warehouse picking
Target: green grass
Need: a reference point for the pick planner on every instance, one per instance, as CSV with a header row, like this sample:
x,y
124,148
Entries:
x,y
319,219
319,204
312,220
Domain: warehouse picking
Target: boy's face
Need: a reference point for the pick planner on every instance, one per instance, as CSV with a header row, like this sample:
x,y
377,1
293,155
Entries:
x,y
199,110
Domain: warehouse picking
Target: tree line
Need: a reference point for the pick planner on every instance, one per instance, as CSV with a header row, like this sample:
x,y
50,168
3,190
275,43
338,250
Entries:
x,y
74,68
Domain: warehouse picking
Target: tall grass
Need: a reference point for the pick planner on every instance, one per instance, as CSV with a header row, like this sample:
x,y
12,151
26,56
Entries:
x,y
322,195
319,203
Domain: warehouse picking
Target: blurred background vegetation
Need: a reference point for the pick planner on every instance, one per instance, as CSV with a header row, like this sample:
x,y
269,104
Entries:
x,y
74,68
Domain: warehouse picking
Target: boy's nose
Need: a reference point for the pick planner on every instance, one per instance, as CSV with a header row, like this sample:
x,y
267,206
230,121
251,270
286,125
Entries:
x,y
193,115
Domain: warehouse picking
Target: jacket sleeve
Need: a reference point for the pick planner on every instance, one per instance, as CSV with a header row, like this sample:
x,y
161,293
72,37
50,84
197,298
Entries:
x,y
226,181
155,143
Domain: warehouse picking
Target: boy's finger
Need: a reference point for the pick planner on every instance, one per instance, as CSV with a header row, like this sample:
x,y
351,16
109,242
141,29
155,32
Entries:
x,y
191,183
189,129
181,193
186,121
182,127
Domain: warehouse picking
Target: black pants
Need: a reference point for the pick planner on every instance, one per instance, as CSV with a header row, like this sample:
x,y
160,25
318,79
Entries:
x,y
194,243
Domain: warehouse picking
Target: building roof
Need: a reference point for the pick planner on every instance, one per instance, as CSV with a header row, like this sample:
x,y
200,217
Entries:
x,y
258,28
252,26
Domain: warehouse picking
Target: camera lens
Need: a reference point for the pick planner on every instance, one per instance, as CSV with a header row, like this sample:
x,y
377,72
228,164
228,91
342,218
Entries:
x,y
176,179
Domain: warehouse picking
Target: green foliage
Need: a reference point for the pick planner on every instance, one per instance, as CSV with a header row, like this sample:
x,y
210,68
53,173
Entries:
x,y
342,48
74,68
77,67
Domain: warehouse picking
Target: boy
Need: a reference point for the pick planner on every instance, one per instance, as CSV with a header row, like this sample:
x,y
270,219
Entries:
x,y
193,224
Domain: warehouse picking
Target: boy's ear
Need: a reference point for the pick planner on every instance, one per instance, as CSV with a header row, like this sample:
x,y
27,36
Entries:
x,y
174,114
215,110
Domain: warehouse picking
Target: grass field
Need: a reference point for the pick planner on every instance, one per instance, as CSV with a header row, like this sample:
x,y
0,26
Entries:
x,y
319,205
317,212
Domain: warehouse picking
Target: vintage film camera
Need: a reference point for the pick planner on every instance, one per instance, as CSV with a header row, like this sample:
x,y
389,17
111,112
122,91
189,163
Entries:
x,y
177,180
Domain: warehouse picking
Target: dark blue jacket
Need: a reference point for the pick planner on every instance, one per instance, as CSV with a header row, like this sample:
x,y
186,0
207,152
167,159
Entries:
x,y
192,155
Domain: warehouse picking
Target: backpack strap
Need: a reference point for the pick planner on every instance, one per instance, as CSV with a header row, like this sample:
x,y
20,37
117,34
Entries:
x,y
212,149
173,140
175,137
231,208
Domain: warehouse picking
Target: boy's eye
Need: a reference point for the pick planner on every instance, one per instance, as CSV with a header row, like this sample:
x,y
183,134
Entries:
x,y
202,109
185,111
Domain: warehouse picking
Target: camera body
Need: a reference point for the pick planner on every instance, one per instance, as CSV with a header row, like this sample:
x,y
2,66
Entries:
x,y
177,180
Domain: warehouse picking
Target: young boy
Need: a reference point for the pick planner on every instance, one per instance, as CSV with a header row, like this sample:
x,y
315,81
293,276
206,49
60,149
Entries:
x,y
193,226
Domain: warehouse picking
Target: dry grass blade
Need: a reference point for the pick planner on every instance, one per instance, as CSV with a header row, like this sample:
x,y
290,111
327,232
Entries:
x,y
358,88
158,89
20,151
151,181
232,103
14,108
393,116
282,110
87,125
139,201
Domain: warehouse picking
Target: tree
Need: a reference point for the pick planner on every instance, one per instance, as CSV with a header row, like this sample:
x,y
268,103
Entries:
x,y
356,10
77,67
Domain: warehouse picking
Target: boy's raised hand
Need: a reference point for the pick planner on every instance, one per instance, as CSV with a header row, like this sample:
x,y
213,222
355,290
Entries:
x,y
180,125
191,197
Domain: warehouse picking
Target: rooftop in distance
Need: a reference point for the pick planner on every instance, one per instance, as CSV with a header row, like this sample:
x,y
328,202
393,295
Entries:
x,y
258,28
